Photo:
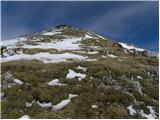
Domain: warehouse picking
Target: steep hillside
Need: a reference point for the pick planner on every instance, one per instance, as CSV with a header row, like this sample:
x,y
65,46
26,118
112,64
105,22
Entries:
x,y
66,72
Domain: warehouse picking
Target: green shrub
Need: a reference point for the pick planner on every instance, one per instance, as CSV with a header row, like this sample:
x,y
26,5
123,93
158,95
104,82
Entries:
x,y
150,87
136,94
62,26
145,108
34,110
118,96
115,112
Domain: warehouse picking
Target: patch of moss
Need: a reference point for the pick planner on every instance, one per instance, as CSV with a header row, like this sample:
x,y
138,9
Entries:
x,y
118,96
115,112
38,50
136,94
150,87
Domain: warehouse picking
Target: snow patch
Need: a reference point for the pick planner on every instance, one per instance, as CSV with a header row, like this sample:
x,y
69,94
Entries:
x,y
139,77
51,33
130,47
2,94
132,111
63,103
149,116
12,42
111,56
138,87
55,82
25,117
94,106
93,52
44,104
65,44
8,75
58,106
81,68
93,47
87,36
120,59
72,96
100,36
90,60
45,57
103,56
71,74
19,82
28,105
79,51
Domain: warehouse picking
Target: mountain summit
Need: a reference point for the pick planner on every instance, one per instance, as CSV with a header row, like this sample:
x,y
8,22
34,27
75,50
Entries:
x,y
66,72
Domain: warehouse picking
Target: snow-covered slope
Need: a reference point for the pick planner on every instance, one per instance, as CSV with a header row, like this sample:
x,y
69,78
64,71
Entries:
x,y
12,42
64,44
131,47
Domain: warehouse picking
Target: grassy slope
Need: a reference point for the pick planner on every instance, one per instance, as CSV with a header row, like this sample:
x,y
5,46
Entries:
x,y
105,84
90,92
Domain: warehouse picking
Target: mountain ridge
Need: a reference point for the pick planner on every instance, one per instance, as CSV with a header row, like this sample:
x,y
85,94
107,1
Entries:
x,y
81,32
66,72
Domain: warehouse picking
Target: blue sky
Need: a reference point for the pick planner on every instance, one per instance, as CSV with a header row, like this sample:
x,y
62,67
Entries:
x,y
132,22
